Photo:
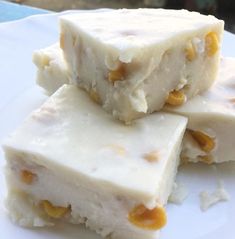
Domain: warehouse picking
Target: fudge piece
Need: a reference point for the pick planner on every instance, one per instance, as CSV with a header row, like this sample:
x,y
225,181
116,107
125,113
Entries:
x,y
211,126
52,71
72,161
137,60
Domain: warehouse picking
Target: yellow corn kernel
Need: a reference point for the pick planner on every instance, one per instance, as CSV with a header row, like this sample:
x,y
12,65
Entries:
x,y
175,98
152,156
62,41
151,219
94,96
205,142
118,149
27,176
211,43
206,159
190,52
45,60
118,74
54,211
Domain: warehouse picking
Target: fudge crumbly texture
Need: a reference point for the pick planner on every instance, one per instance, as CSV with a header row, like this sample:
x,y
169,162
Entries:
x,y
211,127
71,161
138,60
208,199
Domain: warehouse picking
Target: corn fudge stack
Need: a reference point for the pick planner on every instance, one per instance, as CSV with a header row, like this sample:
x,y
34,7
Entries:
x,y
131,53
211,127
114,170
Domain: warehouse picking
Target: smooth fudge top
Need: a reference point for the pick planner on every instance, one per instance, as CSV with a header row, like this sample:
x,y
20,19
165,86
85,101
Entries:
x,y
133,28
72,135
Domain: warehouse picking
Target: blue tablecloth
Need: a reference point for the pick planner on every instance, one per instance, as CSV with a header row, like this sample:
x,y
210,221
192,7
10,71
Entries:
x,y
10,11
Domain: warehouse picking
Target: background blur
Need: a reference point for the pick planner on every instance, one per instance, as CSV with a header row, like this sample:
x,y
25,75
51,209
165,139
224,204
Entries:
x,y
224,9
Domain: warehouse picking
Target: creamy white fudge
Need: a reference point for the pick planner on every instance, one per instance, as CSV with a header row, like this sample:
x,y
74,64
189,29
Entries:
x,y
138,60
211,113
72,161
211,126
52,71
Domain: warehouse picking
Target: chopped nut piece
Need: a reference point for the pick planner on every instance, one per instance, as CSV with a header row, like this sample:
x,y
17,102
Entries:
x,y
62,41
175,98
211,43
206,159
205,142
27,176
152,156
151,219
190,52
118,74
54,211
94,96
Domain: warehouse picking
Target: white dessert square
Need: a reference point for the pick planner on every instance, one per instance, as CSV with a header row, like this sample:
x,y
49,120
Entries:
x,y
211,127
52,71
138,60
72,161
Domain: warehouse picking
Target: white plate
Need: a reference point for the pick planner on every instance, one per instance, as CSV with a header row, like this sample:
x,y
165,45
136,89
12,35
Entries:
x,y
19,96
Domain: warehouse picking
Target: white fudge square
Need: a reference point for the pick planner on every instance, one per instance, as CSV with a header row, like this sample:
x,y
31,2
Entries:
x,y
52,71
211,126
138,60
72,161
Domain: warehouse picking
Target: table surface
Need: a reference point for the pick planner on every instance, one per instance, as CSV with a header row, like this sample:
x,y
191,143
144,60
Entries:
x,y
11,11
